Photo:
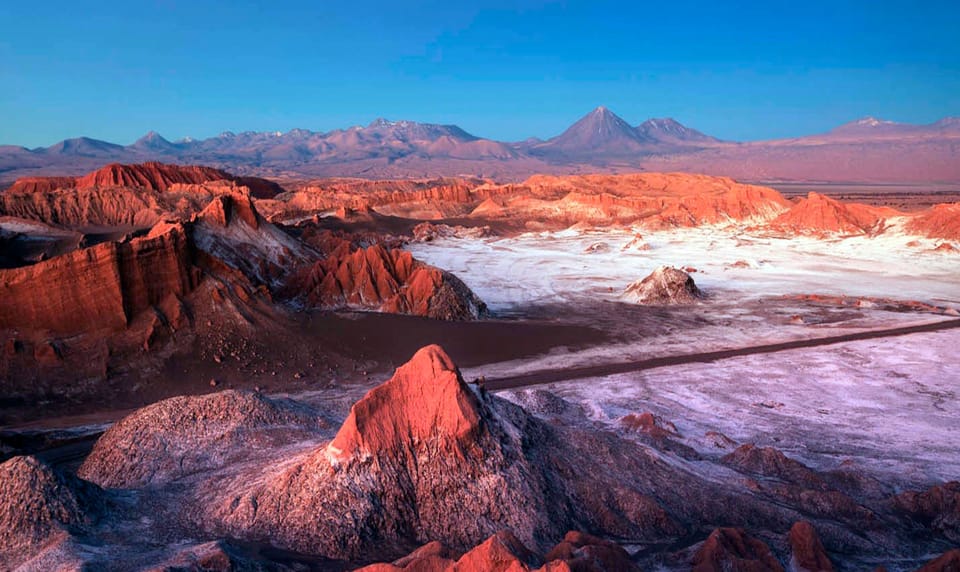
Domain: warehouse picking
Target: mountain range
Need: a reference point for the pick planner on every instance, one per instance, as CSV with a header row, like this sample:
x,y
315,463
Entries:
x,y
866,150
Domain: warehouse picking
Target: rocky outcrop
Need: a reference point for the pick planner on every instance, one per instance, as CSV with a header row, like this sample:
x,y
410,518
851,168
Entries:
x,y
151,175
125,195
39,503
653,425
654,200
939,221
184,435
937,508
503,552
101,287
385,280
820,215
770,462
584,552
421,457
806,551
733,550
665,285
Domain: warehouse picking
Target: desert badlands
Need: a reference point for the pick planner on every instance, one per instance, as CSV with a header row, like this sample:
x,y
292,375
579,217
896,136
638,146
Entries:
x,y
597,372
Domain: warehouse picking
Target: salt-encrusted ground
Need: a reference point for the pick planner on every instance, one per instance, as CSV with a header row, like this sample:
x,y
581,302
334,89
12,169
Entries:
x,y
888,405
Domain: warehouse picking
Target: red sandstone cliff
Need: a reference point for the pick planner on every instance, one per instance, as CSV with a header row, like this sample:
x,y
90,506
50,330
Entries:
x,y
102,287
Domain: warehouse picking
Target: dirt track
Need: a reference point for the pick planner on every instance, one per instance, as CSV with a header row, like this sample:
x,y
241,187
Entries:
x,y
564,374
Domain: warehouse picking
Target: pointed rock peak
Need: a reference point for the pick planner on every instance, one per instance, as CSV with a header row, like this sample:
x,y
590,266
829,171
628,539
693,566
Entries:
x,y
502,551
426,400
807,552
227,208
432,361
604,114
152,140
380,122
815,197
733,549
870,121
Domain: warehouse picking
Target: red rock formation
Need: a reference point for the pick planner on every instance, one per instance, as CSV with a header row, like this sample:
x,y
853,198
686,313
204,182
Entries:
x,y
386,280
224,208
818,214
665,285
732,550
421,443
585,552
31,185
939,221
132,195
389,416
654,199
647,422
770,462
807,552
503,552
104,286
937,508
151,175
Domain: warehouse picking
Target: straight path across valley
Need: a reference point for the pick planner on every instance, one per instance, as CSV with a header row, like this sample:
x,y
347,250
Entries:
x,y
565,374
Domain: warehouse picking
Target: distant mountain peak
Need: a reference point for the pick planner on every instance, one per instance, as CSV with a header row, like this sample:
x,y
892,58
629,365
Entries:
x,y
153,141
870,121
669,130
869,125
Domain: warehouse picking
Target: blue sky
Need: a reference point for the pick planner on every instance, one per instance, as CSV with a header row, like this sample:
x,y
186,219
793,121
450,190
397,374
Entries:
x,y
503,70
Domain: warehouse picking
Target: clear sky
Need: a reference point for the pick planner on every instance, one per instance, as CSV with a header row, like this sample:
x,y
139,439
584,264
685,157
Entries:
x,y
504,70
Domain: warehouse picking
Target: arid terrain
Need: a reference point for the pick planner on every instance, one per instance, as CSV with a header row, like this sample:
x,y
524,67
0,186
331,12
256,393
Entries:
x,y
518,369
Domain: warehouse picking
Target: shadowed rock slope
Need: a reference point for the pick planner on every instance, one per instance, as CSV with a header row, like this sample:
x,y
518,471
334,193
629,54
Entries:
x,y
40,505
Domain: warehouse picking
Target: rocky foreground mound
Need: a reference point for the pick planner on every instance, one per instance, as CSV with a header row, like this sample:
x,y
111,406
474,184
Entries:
x,y
39,503
665,285
183,435
454,478
422,457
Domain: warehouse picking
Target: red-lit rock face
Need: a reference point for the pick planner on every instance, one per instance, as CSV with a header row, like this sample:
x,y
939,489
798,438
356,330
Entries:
x,y
425,401
101,287
817,214
939,221
130,195
384,279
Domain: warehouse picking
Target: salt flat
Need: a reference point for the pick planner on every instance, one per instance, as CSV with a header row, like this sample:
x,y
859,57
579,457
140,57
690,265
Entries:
x,y
889,406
